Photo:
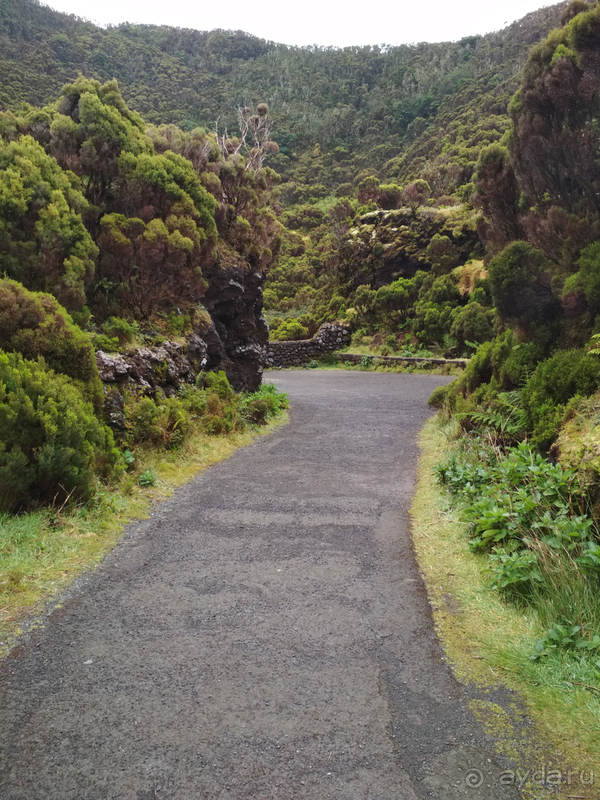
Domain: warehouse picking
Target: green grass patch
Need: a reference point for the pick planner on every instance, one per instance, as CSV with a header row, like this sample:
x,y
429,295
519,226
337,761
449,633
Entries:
x,y
329,362
490,641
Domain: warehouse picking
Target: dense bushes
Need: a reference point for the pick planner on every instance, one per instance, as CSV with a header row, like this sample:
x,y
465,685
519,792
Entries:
x,y
545,386
211,407
520,286
52,447
34,324
567,374
43,240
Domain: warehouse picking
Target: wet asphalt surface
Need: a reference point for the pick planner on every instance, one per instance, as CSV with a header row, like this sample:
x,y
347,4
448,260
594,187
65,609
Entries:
x,y
265,635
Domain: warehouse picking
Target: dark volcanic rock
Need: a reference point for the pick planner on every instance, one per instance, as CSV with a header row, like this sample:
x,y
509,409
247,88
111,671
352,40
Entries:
x,y
114,408
234,302
232,337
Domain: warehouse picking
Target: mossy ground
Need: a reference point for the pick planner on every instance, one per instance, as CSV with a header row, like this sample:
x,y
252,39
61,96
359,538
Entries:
x,y
43,552
489,642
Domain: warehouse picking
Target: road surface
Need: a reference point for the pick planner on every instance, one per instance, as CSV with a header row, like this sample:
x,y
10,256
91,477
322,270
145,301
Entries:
x,y
265,635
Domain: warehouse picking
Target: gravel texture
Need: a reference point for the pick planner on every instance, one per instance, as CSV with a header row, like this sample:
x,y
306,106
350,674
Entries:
x,y
265,635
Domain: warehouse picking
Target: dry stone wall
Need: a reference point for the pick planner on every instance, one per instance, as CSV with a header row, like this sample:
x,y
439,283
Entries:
x,y
330,337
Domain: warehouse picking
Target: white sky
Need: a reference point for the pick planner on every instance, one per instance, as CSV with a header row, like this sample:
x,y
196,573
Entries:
x,y
314,21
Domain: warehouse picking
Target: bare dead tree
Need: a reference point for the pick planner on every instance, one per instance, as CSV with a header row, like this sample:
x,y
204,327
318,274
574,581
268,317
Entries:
x,y
254,139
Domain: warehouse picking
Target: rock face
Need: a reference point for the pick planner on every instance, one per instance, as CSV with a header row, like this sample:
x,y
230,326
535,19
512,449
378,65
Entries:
x,y
147,368
329,337
234,302
233,339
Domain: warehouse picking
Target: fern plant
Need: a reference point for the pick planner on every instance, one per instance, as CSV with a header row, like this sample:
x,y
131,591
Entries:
x,y
504,425
594,351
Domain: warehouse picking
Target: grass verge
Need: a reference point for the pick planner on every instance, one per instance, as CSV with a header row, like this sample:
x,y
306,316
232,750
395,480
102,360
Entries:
x,y
42,552
332,362
490,642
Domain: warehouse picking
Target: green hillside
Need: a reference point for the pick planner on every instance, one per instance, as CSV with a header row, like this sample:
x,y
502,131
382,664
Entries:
x,y
361,100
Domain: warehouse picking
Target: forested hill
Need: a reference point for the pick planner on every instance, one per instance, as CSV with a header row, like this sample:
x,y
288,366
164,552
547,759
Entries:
x,y
361,99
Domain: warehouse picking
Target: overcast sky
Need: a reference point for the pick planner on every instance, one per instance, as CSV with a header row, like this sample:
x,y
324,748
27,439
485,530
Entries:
x,y
315,21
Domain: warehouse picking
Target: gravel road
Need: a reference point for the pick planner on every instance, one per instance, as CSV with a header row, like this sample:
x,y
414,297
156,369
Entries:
x,y
265,635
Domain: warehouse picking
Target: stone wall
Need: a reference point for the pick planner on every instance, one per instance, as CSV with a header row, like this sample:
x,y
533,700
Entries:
x,y
330,337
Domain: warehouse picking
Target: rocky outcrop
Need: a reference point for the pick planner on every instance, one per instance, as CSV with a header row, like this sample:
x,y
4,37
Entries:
x,y
329,337
147,368
234,342
232,338
234,302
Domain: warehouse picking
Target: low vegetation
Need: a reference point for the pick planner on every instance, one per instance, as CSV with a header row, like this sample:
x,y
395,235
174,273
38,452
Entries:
x,y
515,604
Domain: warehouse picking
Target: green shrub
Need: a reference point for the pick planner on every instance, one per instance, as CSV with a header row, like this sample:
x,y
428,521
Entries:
x,y
519,289
588,277
53,447
487,362
289,330
518,366
222,415
218,383
555,381
162,422
260,406
43,240
109,344
310,323
440,396
212,407
178,324
471,323
34,324
119,329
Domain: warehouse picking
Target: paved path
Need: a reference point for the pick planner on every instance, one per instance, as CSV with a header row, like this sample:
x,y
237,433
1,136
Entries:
x,y
264,636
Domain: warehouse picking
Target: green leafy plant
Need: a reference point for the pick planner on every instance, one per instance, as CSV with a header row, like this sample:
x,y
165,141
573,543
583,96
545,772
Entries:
x,y
53,448
128,458
147,478
532,519
258,407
